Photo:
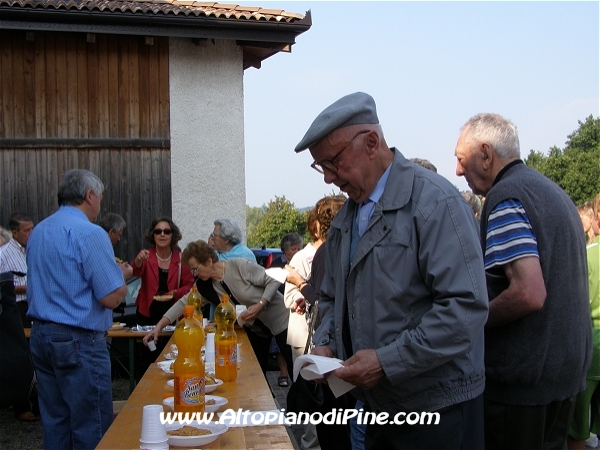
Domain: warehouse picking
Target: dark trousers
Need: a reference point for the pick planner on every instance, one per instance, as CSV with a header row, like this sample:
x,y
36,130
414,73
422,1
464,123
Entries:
x,y
527,427
262,342
460,427
334,436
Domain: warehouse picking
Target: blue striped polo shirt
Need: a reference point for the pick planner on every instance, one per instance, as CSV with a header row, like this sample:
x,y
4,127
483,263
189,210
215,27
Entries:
x,y
509,235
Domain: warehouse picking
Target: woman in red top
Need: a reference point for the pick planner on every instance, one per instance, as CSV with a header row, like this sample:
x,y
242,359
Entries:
x,y
164,278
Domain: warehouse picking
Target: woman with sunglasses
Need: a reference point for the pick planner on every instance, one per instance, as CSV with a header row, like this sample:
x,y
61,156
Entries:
x,y
164,278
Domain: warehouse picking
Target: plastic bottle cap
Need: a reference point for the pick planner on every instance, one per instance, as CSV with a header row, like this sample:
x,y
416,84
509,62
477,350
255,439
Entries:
x,y
189,309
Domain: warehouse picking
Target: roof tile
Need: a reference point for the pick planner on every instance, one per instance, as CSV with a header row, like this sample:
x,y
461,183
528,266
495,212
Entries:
x,y
162,7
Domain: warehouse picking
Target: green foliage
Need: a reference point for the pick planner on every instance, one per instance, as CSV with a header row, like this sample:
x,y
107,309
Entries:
x,y
253,217
280,217
576,168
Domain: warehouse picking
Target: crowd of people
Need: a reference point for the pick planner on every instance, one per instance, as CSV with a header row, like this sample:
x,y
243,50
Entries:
x,y
483,307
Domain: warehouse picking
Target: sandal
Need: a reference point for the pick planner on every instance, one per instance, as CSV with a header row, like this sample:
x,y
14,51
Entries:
x,y
283,382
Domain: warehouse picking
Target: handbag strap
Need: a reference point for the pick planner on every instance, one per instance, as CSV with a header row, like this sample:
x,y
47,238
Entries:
x,y
311,325
179,276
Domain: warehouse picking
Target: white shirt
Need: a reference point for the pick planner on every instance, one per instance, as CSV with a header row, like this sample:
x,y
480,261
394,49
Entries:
x,y
12,258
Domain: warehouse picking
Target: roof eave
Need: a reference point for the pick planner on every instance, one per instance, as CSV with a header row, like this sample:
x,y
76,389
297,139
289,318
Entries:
x,y
153,25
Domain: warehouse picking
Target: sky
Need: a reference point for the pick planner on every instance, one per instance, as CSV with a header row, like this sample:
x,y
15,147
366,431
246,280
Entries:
x,y
430,66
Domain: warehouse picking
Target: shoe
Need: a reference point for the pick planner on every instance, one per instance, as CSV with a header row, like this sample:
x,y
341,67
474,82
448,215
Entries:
x,y
27,416
283,382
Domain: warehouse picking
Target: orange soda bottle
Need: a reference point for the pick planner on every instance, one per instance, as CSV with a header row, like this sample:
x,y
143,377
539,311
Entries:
x,y
225,341
195,299
189,368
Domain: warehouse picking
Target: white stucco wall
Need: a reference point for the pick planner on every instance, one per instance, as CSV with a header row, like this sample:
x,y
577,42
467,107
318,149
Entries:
x,y
207,135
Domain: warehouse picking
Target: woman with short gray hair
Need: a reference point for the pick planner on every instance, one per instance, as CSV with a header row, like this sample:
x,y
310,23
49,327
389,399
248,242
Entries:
x,y
227,238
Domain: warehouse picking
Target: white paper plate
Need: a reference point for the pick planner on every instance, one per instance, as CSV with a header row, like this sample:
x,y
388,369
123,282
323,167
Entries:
x,y
165,366
171,356
169,328
194,441
208,388
219,402
118,327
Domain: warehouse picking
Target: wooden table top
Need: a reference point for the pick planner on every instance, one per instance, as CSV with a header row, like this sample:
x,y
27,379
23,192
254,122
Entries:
x,y
118,333
249,392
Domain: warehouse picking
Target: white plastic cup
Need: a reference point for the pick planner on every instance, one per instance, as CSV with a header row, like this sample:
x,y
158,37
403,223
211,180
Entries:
x,y
151,345
209,353
164,445
239,353
204,322
153,431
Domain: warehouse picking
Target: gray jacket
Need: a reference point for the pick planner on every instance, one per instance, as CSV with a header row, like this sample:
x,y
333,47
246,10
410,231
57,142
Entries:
x,y
416,293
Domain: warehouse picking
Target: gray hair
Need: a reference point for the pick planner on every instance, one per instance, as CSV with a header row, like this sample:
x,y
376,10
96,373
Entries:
x,y
75,184
290,239
112,221
229,230
424,163
473,201
5,236
495,130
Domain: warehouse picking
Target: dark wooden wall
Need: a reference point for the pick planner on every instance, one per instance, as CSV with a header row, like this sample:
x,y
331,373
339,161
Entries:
x,y
99,102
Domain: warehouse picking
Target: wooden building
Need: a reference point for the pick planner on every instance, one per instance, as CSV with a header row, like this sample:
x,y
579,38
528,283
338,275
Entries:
x,y
104,85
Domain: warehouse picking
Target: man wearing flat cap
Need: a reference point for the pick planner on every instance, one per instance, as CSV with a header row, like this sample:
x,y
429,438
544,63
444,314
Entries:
x,y
404,298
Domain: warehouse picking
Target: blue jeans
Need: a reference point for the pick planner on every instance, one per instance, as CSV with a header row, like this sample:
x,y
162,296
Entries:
x,y
357,432
74,385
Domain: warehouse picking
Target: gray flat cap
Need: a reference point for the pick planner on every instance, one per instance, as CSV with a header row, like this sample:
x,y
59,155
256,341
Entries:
x,y
354,109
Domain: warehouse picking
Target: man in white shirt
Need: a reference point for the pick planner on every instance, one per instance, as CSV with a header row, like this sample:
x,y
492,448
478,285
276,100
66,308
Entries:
x,y
12,259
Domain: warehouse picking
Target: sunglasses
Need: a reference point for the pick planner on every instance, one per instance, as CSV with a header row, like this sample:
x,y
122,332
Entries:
x,y
159,231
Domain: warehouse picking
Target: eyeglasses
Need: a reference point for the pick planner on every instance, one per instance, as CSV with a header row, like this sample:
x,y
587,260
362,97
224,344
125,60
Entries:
x,y
328,163
159,231
195,271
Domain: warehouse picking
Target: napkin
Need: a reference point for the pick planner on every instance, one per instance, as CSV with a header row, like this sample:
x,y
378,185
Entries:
x,y
279,273
239,310
316,367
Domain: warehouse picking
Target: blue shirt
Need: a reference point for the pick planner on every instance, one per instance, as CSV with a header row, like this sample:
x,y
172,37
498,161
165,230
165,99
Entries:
x,y
237,251
509,235
71,267
366,209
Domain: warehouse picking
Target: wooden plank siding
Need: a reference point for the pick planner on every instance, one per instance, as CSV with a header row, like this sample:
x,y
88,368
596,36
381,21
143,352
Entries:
x,y
59,85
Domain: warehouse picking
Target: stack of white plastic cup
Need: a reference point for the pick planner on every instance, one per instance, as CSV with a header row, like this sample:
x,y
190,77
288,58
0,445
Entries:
x,y
209,353
154,434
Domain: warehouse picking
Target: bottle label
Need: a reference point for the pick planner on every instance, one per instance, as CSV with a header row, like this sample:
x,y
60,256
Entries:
x,y
191,389
233,356
227,354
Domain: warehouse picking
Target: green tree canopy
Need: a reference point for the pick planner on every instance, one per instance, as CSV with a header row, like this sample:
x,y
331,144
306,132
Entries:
x,y
280,217
576,168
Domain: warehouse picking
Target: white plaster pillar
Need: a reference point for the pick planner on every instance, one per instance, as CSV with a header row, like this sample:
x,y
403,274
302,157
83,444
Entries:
x,y
207,135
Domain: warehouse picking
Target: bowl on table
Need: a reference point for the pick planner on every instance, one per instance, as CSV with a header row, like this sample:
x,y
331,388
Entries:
x,y
215,429
218,402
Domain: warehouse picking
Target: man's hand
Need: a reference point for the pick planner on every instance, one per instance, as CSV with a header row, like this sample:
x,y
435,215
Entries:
x,y
363,369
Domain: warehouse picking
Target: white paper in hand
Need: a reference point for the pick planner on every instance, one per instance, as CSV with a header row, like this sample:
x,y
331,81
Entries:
x,y
279,273
317,367
239,310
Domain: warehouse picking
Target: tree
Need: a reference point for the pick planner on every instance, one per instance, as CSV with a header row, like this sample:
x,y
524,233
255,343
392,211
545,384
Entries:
x,y
253,217
576,168
280,217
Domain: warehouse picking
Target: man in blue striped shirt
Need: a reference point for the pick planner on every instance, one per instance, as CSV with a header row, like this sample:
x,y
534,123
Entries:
x,y
538,333
74,283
